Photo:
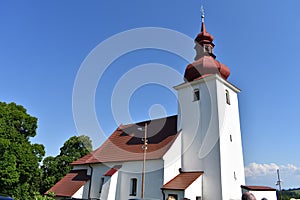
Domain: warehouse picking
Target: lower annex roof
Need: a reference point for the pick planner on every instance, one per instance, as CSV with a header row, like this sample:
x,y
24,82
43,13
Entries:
x,y
182,181
257,188
70,183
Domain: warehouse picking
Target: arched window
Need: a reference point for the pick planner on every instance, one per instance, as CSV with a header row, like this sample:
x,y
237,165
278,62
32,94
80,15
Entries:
x,y
133,187
196,94
227,97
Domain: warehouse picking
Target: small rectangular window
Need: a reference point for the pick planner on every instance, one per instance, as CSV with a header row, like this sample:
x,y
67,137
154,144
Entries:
x,y
196,94
227,97
208,49
133,187
101,184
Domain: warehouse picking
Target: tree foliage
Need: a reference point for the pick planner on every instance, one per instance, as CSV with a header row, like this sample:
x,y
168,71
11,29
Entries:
x,y
38,196
290,193
54,168
20,174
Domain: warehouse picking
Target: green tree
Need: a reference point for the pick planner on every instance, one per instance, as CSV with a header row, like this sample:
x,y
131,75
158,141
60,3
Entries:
x,y
38,196
290,193
54,168
20,174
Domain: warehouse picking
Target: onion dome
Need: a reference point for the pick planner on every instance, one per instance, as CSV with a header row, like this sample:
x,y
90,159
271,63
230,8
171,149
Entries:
x,y
205,61
204,37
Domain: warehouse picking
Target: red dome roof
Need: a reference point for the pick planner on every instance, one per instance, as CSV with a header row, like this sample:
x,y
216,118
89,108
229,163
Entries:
x,y
205,63
205,66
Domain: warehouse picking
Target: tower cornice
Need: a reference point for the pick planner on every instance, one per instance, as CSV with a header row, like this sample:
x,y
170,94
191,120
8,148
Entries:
x,y
206,79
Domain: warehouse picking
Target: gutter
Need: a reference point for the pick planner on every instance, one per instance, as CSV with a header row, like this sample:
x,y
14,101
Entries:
x,y
90,185
163,193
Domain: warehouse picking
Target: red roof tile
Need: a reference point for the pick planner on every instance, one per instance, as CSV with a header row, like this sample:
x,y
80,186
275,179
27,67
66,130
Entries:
x,y
70,184
257,188
113,170
125,144
182,181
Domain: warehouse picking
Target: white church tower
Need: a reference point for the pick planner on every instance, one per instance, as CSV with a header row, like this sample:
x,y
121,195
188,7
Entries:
x,y
209,122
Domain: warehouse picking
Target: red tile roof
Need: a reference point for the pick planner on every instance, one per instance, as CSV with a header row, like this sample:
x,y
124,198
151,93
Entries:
x,y
125,144
113,170
70,184
257,188
182,181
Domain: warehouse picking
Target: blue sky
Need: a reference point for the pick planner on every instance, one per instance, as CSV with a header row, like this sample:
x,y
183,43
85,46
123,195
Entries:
x,y
43,44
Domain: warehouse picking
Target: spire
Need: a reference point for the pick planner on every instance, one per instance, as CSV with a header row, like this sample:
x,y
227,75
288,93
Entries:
x,y
204,40
205,62
203,28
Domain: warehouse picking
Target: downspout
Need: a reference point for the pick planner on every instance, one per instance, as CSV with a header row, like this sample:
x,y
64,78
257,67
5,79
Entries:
x,y
90,185
163,193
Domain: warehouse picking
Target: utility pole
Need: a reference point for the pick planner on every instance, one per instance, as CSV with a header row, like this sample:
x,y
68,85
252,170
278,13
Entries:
x,y
144,160
279,185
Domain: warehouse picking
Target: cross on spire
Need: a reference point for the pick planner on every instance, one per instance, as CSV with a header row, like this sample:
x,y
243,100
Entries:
x,y
202,13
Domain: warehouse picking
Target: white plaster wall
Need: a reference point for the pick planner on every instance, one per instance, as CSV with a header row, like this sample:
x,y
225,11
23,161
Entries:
x,y
199,122
212,188
79,193
231,153
85,188
188,121
172,160
200,133
105,188
153,178
194,190
129,170
270,195
80,167
206,127
113,186
98,171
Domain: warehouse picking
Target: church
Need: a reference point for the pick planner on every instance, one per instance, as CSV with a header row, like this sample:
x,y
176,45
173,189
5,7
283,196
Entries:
x,y
196,154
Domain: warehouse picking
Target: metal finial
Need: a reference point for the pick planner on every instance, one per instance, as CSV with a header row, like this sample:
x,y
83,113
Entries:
x,y
202,13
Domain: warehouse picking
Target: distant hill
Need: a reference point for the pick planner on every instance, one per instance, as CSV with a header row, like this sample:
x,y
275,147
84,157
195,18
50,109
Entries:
x,y
290,193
